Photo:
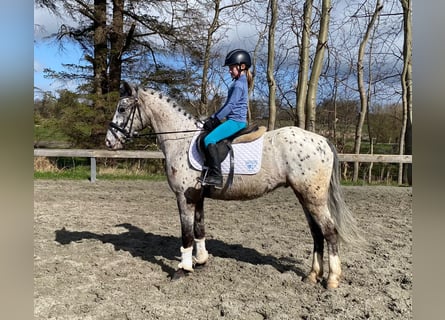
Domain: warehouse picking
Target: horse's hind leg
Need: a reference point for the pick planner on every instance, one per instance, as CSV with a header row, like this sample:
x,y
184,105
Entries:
x,y
201,255
316,273
324,224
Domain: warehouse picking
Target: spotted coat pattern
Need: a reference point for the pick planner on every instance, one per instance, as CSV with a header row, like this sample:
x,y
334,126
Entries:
x,y
292,157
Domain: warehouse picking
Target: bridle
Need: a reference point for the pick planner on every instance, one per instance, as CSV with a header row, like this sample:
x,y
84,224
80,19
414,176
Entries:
x,y
128,135
114,127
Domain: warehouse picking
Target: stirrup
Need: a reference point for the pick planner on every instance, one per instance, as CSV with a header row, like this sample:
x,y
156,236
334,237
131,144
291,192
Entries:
x,y
213,184
203,176
204,183
203,180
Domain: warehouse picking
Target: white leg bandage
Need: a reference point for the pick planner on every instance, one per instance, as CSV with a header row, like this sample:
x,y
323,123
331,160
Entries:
x,y
202,254
186,259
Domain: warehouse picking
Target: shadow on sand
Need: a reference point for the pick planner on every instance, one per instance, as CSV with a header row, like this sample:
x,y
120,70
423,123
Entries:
x,y
149,246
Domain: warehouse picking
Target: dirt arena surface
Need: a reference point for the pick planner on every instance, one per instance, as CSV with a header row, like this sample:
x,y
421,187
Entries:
x,y
107,250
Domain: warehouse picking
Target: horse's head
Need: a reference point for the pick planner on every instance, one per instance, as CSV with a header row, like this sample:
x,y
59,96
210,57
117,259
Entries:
x,y
127,118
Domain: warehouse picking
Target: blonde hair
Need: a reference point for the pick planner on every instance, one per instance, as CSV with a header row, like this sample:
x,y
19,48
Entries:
x,y
249,78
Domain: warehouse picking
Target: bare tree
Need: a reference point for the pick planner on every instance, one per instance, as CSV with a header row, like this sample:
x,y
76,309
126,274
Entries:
x,y
307,86
303,70
270,64
361,86
405,142
256,52
311,102
214,26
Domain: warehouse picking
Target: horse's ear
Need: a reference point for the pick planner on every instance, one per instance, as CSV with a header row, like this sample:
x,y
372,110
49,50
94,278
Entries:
x,y
126,90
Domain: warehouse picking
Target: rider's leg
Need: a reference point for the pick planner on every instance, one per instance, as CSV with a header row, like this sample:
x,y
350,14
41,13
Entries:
x,y
224,130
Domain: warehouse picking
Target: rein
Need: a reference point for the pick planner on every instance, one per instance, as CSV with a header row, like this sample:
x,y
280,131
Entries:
x,y
128,135
165,132
136,135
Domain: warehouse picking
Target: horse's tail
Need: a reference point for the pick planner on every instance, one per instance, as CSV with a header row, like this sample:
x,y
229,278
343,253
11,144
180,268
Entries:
x,y
344,221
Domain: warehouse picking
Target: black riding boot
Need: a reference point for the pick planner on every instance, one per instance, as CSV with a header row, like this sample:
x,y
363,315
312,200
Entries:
x,y
214,176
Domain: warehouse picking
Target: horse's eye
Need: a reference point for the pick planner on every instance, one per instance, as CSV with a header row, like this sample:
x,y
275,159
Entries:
x,y
121,109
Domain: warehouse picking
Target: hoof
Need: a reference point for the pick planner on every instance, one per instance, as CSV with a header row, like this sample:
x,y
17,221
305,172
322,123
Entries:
x,y
311,278
333,284
180,273
200,266
201,260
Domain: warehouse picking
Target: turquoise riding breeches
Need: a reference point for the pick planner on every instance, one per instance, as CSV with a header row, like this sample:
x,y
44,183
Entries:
x,y
224,130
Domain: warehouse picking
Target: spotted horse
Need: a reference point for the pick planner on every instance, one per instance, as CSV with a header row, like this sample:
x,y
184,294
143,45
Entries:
x,y
291,157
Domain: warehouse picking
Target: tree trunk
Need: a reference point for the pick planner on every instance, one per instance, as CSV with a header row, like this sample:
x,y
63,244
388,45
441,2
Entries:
x,y
362,89
258,46
116,45
405,146
206,65
311,102
270,64
334,107
303,69
100,85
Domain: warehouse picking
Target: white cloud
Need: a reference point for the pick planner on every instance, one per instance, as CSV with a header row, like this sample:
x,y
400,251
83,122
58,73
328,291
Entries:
x,y
38,67
46,23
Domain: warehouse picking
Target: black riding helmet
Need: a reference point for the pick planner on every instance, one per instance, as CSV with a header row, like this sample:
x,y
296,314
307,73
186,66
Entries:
x,y
238,56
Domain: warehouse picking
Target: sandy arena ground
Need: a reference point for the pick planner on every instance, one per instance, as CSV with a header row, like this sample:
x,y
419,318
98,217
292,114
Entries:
x,y
107,250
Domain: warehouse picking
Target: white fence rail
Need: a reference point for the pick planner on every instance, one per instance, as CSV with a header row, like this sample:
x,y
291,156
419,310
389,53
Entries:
x,y
94,153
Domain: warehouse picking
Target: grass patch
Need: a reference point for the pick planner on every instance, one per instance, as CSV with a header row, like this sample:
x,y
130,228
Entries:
x,y
84,173
362,182
148,177
79,169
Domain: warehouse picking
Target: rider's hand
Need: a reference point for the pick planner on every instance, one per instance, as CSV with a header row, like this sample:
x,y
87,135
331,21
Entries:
x,y
211,123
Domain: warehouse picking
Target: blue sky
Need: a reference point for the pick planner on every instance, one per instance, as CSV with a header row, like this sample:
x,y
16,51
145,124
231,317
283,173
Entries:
x,y
48,54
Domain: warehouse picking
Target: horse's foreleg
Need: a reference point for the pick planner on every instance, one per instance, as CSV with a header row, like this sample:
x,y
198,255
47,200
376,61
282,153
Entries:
x,y
316,273
186,215
202,254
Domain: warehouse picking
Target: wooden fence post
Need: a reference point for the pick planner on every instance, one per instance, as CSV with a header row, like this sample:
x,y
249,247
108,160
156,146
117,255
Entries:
x,y
93,169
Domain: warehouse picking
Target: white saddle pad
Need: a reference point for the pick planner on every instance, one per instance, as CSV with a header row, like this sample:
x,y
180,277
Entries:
x,y
247,157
